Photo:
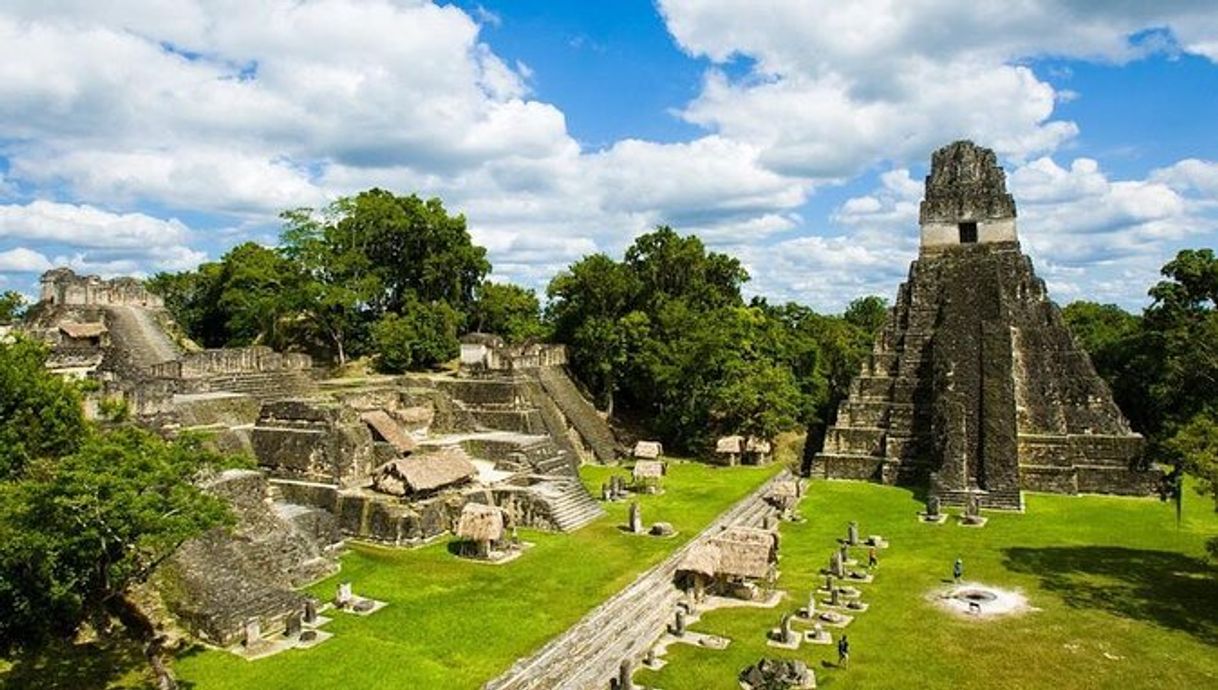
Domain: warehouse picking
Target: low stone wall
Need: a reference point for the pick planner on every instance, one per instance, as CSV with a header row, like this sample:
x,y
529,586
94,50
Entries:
x,y
313,441
237,360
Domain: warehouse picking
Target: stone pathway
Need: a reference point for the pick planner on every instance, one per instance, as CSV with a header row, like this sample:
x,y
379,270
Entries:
x,y
588,654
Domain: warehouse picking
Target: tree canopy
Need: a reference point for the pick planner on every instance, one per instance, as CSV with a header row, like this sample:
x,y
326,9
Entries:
x,y
666,336
338,273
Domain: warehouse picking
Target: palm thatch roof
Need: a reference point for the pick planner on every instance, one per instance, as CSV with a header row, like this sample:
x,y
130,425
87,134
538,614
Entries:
x,y
481,523
746,552
389,430
425,472
83,330
702,559
648,469
648,450
758,445
729,444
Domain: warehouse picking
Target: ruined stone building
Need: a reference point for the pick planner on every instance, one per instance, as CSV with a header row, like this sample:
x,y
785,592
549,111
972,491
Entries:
x,y
392,459
975,384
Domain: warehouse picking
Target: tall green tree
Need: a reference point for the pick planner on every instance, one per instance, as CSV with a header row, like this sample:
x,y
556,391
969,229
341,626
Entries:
x,y
423,336
507,310
40,413
867,313
12,304
79,534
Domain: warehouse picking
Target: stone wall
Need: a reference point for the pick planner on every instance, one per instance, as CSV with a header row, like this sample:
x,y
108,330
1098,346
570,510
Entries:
x,y
236,360
314,441
63,287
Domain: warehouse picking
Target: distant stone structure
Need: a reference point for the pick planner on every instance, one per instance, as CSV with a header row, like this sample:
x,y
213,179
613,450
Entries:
x,y
975,384
63,287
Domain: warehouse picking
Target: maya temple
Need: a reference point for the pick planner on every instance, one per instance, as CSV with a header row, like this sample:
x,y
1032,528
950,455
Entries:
x,y
975,385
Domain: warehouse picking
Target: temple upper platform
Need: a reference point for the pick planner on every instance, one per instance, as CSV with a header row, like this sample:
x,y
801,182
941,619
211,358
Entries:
x,y
966,200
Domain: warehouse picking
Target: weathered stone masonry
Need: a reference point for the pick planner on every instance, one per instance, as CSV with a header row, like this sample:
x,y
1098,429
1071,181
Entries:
x,y
975,383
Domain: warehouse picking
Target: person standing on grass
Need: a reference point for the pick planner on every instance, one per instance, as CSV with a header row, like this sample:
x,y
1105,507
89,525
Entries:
x,y
958,570
872,559
843,652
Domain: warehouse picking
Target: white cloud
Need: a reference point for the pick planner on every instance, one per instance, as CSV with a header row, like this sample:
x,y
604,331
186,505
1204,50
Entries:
x,y
835,87
1191,176
88,226
1091,237
22,260
245,107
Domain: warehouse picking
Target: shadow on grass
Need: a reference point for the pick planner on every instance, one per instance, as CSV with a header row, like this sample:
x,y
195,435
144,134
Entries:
x,y
1169,589
79,667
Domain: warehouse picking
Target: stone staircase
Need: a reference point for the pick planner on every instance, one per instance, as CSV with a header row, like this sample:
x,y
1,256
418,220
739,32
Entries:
x,y
135,334
587,655
265,386
570,505
582,415
992,500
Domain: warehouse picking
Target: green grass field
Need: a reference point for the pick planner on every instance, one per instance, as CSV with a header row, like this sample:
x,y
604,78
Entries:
x,y
1125,599
451,623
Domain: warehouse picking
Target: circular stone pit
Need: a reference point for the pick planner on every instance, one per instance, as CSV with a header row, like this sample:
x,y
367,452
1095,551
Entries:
x,y
981,601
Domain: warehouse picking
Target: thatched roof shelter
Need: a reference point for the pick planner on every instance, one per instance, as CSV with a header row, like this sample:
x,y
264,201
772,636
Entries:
x,y
730,445
702,559
648,469
427,472
648,450
758,445
481,523
388,429
746,552
83,330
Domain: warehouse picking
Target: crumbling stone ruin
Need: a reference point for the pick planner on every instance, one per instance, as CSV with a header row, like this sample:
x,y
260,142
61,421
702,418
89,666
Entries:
x,y
218,582
975,384
395,460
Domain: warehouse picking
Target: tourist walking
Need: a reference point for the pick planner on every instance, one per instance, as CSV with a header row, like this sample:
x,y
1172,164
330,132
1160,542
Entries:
x,y
958,570
843,652
872,559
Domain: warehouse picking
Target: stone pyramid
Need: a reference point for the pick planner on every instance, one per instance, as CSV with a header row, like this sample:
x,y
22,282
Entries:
x,y
975,384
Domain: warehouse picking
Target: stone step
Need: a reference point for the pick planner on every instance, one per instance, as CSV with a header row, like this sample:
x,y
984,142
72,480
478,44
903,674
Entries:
x,y
579,412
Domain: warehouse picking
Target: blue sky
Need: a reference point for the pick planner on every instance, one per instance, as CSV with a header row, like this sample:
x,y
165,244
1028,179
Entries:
x,y
140,137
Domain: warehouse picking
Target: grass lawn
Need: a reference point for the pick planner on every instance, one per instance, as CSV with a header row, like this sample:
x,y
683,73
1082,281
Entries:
x,y
451,623
1125,599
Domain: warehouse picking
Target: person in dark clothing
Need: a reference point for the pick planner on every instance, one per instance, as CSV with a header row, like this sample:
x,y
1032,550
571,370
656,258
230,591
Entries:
x,y
843,652
958,570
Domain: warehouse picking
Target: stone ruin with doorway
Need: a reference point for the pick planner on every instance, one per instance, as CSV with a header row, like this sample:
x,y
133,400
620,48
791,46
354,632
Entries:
x,y
975,385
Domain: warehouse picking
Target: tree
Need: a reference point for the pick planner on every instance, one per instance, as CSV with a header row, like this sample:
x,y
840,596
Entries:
x,y
424,336
80,533
867,313
12,304
40,413
1194,446
507,310
339,283
1116,343
587,303
760,399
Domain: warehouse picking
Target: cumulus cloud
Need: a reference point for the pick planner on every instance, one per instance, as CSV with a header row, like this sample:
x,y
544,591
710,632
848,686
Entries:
x,y
22,260
1092,237
88,226
835,87
231,110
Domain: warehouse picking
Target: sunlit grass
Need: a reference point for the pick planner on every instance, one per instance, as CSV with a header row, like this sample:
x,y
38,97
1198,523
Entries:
x,y
1125,599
